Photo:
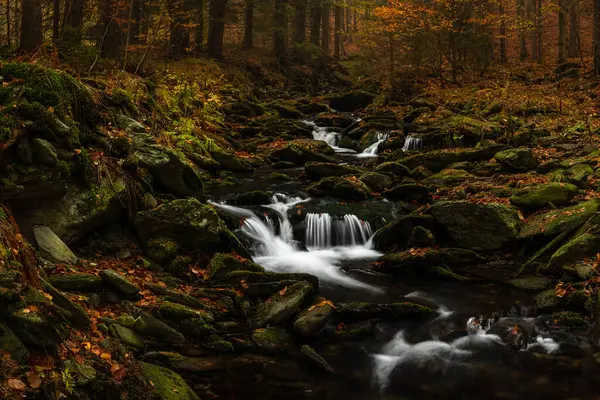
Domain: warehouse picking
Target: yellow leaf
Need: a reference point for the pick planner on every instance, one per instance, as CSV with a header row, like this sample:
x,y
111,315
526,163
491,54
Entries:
x,y
51,110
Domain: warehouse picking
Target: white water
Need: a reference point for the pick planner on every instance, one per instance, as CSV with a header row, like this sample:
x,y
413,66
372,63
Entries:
x,y
371,151
327,136
279,252
323,231
412,143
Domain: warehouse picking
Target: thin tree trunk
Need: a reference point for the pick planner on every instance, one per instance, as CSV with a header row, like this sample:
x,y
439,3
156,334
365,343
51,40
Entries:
x,y
315,22
574,26
337,35
538,31
326,28
279,28
562,32
56,21
8,36
73,24
532,17
179,35
300,21
596,37
503,58
199,32
128,39
522,37
113,40
249,25
216,28
135,22
31,17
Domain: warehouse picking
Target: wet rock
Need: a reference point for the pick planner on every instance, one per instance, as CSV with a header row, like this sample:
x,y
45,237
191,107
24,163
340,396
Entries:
x,y
375,181
354,330
37,328
44,152
118,282
359,311
318,170
52,247
11,344
542,195
161,250
76,282
520,159
351,101
23,151
554,222
449,177
547,300
420,237
393,169
253,198
75,313
178,362
127,336
408,191
335,120
395,235
129,125
166,384
147,325
282,305
477,226
299,154
534,283
580,174
315,359
346,188
439,159
271,340
222,263
193,225
313,108
311,321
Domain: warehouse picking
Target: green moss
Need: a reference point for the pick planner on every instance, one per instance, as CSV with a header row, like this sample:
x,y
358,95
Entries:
x,y
569,319
278,176
449,177
167,384
541,196
222,263
347,188
177,312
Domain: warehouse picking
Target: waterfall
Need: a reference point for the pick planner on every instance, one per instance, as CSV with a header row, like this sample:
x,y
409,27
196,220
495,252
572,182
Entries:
x,y
323,231
279,252
412,143
371,151
327,136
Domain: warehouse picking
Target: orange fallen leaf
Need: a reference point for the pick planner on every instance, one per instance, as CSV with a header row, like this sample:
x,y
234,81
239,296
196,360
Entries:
x,y
282,291
244,284
16,384
34,379
105,356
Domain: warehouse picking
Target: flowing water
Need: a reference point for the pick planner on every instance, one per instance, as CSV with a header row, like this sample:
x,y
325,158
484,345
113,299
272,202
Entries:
x,y
372,150
412,143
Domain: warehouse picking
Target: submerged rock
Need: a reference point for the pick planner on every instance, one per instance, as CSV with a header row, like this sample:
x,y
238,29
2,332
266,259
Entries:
x,y
358,311
542,195
477,226
282,305
316,359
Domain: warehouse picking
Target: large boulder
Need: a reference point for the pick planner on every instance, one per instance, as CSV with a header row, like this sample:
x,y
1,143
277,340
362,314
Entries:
x,y
554,222
282,305
376,181
439,159
540,196
318,170
335,120
166,384
450,177
312,320
52,247
193,225
426,262
351,101
477,226
520,159
298,154
395,235
346,188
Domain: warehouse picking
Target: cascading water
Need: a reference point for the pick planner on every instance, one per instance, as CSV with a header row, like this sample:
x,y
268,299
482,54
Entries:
x,y
412,143
324,231
371,151
279,252
326,135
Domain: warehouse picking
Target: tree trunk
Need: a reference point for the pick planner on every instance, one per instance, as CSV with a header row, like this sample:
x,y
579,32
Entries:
x,y
596,37
279,25
522,37
136,17
503,58
114,39
73,29
8,33
538,31
199,32
532,17
326,27
248,25
31,23
574,26
216,28
315,22
300,21
179,34
56,21
338,29
562,32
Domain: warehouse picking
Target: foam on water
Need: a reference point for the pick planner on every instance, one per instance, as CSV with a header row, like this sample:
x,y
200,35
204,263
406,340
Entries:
x,y
372,150
412,143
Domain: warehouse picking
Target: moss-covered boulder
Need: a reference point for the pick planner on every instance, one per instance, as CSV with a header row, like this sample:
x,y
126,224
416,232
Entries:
x,y
580,174
44,152
439,159
282,305
318,170
76,282
252,198
426,262
127,336
477,226
358,311
193,225
520,159
230,162
408,191
540,196
161,249
449,177
285,110
395,234
37,328
582,245
532,283
420,237
393,169
336,120
375,181
166,384
118,282
346,188
272,339
312,320
351,101
300,154
221,264
10,343
52,247
147,325
554,222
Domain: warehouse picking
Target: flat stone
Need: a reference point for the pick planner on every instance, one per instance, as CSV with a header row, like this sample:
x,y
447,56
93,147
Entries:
x,y
118,282
52,246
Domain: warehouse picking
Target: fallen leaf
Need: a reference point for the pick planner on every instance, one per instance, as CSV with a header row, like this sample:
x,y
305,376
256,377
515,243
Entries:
x,y
34,379
16,384
244,284
282,291
105,356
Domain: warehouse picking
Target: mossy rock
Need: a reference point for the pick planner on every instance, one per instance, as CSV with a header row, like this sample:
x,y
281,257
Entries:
x,y
520,159
282,305
76,282
11,344
147,325
166,384
540,196
408,191
222,263
285,110
178,312
533,283
336,120
420,237
554,222
301,152
393,169
356,330
581,246
375,181
350,101
346,188
311,321
161,250
37,328
449,177
569,319
395,234
127,336
547,300
118,282
196,327
271,340
439,159
358,311
253,198
579,174
477,226
318,170
229,161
